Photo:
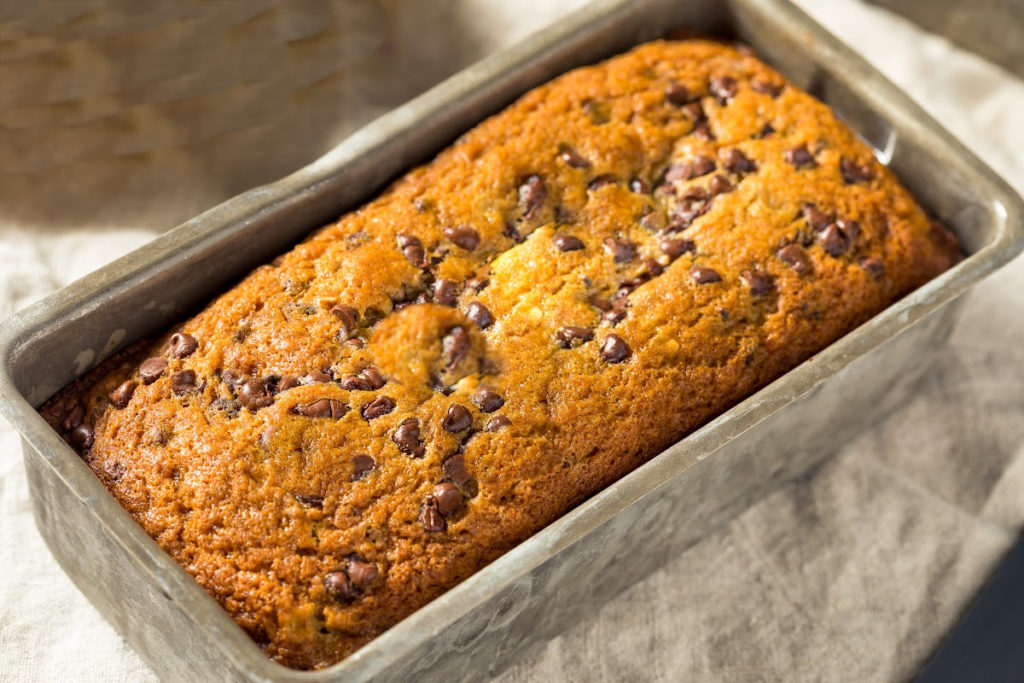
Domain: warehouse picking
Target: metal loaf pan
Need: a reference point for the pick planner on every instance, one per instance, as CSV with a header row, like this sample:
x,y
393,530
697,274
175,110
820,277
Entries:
x,y
650,516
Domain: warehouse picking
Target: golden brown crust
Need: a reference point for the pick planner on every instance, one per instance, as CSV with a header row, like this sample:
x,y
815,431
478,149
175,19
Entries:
x,y
305,508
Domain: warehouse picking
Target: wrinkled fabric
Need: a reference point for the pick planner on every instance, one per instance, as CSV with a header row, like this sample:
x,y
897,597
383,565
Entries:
x,y
115,126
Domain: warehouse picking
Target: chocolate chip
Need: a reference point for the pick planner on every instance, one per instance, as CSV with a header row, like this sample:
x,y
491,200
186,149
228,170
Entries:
x,y
683,216
152,369
694,195
620,250
738,162
634,282
373,376
766,130
565,242
183,382
73,418
82,437
793,256
682,171
361,465
339,586
639,186
183,345
616,310
447,497
832,240
407,437
348,317
601,181
455,345
121,396
719,184
445,292
614,316
231,377
677,173
675,248
287,382
703,275
532,194
479,314
430,518
873,266
254,395
477,283
457,419
853,172
652,222
462,236
758,282
361,573
512,232
455,469
378,407
701,166
315,377
405,240
695,111
347,314
572,157
600,302
354,383
800,157
677,94
838,237
486,400
815,219
309,501
703,131
413,250
766,87
324,407
416,256
723,88
571,337
496,423
849,227
614,349
597,111
355,343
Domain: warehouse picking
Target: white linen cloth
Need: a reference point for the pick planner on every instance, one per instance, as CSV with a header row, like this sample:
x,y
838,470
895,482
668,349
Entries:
x,y
117,125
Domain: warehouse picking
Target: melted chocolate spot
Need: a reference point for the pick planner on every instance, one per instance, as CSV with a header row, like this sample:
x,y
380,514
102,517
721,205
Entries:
x,y
122,395
614,349
378,407
152,369
457,419
183,345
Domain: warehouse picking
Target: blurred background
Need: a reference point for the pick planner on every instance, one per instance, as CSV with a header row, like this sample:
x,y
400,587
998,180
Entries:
x,y
120,119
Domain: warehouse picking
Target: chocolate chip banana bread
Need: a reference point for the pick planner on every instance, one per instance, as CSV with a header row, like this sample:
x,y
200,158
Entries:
x,y
574,285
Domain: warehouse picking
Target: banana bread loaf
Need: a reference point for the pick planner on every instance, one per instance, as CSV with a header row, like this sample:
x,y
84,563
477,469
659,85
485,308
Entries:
x,y
574,285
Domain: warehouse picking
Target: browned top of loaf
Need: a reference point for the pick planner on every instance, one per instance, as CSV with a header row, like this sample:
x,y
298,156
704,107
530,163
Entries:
x,y
727,225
